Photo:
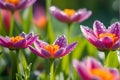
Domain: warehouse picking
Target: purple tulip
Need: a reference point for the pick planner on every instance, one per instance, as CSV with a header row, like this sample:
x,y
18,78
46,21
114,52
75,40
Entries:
x,y
21,41
70,15
58,49
15,4
91,69
102,38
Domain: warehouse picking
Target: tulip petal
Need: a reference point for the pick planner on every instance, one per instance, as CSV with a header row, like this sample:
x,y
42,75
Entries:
x,y
116,45
59,14
23,34
89,34
59,53
81,15
115,29
81,69
40,44
32,39
61,41
20,44
36,52
98,28
69,48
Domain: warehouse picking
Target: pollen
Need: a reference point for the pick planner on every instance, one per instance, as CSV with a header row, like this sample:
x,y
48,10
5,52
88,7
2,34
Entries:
x,y
14,2
16,39
69,12
103,74
110,35
52,49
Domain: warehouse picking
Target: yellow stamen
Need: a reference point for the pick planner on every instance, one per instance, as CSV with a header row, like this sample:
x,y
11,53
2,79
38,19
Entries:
x,y
112,36
16,39
69,12
14,2
52,49
103,74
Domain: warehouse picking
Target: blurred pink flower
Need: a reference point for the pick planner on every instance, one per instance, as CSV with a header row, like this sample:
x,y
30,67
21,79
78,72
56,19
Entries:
x,y
6,18
70,15
39,16
102,38
91,69
58,49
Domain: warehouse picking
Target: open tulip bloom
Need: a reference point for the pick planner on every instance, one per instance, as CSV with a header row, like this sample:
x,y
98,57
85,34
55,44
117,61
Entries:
x,y
18,42
58,49
104,39
15,4
70,15
91,69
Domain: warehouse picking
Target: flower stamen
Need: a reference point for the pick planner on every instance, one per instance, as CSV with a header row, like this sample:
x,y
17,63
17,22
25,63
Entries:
x,y
14,2
69,12
52,49
110,35
103,74
16,39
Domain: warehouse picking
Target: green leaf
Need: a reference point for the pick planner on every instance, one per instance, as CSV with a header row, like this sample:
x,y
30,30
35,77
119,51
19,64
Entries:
x,y
112,59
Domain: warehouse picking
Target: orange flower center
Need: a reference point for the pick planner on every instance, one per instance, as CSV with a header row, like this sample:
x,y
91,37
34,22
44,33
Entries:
x,y
112,36
103,74
52,49
16,39
69,12
14,2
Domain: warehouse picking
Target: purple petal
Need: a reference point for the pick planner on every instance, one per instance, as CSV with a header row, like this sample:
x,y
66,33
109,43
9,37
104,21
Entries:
x,y
61,41
92,63
115,29
20,44
45,53
29,3
89,34
116,45
98,28
5,41
40,44
23,34
115,72
69,48
32,39
35,51
58,14
81,15
59,53
30,35
81,69
108,42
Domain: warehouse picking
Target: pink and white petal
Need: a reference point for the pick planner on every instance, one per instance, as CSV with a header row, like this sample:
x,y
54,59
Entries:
x,y
30,35
92,63
69,48
32,39
81,69
108,42
23,34
89,34
115,29
61,41
35,51
40,44
99,28
58,14
81,15
116,45
115,72
59,53
29,3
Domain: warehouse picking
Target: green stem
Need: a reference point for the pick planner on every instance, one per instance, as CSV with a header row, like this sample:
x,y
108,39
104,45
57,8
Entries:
x,y
11,25
14,59
106,54
68,32
52,75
